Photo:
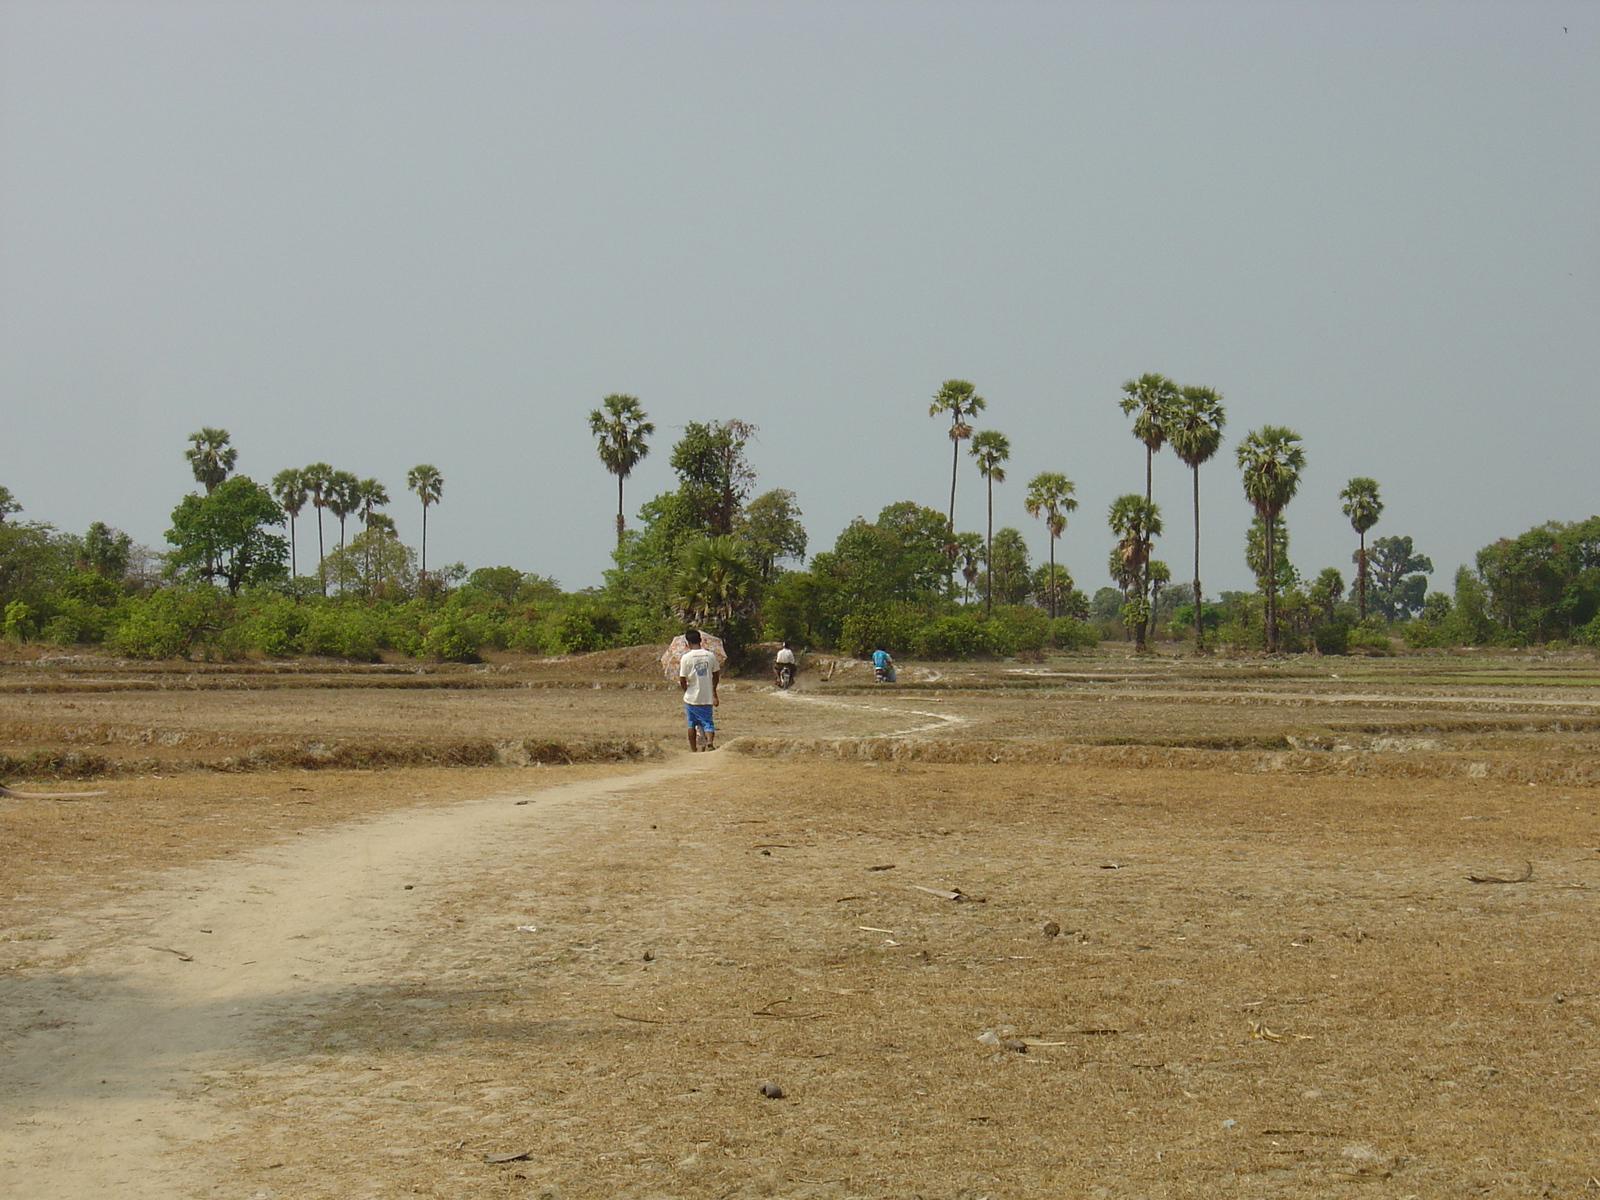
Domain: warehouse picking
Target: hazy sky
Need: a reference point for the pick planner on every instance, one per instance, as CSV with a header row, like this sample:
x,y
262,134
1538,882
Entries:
x,y
385,233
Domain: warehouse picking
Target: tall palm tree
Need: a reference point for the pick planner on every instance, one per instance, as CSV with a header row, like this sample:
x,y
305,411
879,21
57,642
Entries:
x,y
969,549
990,448
1137,523
210,457
428,484
1194,428
289,487
343,497
1149,399
1362,506
961,400
316,478
620,429
1271,459
1051,493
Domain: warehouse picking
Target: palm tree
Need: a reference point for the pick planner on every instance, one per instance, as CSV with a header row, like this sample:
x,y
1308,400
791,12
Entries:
x,y
620,428
969,549
1194,428
990,448
1149,400
1362,506
1271,458
428,484
289,487
342,495
1051,493
210,457
1137,523
316,478
961,400
715,585
370,496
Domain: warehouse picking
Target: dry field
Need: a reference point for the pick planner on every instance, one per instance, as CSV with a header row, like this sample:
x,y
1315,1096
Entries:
x,y
1087,927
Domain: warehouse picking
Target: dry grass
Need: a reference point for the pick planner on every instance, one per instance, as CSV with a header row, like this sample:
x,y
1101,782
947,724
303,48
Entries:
x,y
1268,972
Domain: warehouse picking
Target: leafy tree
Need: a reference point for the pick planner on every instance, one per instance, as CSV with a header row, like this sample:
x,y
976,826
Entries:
x,y
959,400
620,429
770,529
1255,555
1137,523
428,484
715,474
316,478
1194,428
373,563
1399,577
1271,459
1007,574
105,551
8,504
1050,493
900,557
290,491
224,535
991,448
1363,508
210,457
1541,584
1326,591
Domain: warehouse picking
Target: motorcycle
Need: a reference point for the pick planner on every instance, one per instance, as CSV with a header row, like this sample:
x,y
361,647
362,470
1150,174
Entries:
x,y
884,674
785,675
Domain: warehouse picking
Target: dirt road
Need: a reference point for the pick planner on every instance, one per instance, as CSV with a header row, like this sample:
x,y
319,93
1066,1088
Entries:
x,y
106,1075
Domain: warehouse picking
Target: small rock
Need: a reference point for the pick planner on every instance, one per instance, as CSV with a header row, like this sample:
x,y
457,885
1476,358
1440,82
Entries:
x,y
649,956
772,1091
1015,1045
1051,929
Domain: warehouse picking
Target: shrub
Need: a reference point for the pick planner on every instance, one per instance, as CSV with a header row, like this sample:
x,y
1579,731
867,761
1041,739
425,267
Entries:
x,y
1333,638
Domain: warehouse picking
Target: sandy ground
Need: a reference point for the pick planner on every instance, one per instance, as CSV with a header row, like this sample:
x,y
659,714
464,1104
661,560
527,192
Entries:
x,y
972,979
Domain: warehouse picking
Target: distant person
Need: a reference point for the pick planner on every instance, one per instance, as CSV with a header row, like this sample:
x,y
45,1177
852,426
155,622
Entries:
x,y
785,659
883,665
698,676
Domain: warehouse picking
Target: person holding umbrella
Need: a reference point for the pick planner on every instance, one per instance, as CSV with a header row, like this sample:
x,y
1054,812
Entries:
x,y
699,671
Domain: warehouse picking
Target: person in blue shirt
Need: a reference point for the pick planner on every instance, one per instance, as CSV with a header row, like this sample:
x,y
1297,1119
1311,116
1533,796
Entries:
x,y
883,664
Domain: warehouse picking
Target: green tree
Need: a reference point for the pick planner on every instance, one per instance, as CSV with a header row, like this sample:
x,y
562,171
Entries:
x,y
969,553
716,588
1326,591
1050,494
1255,555
8,504
1006,573
714,472
1363,508
770,529
210,457
621,431
899,557
991,448
106,551
290,491
1194,428
1399,577
1271,459
1136,521
428,484
959,400
225,535
371,495
375,561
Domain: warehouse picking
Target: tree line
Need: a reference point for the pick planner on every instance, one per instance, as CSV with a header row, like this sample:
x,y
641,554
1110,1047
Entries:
x,y
716,551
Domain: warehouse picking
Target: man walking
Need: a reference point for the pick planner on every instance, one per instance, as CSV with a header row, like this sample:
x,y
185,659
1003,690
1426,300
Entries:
x,y
698,675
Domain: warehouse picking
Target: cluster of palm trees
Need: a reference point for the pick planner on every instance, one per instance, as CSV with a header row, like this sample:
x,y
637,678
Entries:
x,y
1189,419
345,495
1050,493
212,456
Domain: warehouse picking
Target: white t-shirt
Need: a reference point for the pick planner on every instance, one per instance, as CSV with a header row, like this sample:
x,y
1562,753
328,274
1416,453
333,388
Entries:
x,y
697,666
786,655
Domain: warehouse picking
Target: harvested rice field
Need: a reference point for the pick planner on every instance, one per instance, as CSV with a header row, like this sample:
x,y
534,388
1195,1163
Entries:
x,y
1092,926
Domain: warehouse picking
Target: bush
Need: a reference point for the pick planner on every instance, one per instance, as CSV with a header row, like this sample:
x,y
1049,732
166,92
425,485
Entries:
x,y
1068,634
456,637
168,622
342,631
1369,636
1333,638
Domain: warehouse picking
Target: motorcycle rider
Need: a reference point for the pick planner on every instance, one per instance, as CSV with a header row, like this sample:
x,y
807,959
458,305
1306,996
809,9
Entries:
x,y
784,659
883,665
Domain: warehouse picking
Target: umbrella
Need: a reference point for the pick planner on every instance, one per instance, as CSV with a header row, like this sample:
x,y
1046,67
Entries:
x,y
675,652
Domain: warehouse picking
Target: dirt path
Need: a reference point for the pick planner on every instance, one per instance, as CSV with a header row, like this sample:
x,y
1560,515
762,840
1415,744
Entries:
x,y
106,1077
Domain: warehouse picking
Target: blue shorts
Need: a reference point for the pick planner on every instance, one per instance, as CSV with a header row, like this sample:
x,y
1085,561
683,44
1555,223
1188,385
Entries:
x,y
700,717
